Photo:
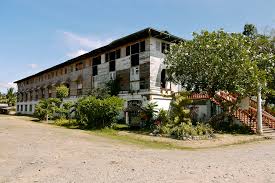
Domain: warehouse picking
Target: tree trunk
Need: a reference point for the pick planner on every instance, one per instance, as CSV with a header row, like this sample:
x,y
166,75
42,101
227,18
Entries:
x,y
259,112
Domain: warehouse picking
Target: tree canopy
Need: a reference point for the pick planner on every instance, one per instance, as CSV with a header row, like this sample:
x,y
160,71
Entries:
x,y
214,61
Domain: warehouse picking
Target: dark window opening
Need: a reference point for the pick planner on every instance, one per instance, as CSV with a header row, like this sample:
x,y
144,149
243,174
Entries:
x,y
79,66
79,88
134,60
112,66
165,47
143,84
26,108
18,108
163,78
135,48
43,93
118,53
112,55
30,96
142,46
30,109
107,57
97,60
128,50
21,108
94,70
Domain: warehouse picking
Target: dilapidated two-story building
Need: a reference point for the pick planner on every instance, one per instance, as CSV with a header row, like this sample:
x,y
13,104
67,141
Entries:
x,y
136,59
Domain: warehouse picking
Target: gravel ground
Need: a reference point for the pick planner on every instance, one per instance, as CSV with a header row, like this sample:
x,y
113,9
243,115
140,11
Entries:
x,y
34,152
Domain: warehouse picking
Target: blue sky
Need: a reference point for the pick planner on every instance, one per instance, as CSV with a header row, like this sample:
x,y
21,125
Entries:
x,y
36,34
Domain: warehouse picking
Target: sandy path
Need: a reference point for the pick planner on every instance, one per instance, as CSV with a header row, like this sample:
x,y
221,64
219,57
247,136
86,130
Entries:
x,y
33,152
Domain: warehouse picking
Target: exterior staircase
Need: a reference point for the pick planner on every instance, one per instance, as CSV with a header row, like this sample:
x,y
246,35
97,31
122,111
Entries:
x,y
246,116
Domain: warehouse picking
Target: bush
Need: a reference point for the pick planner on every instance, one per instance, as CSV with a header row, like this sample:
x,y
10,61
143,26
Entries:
x,y
45,108
72,123
178,124
62,92
98,113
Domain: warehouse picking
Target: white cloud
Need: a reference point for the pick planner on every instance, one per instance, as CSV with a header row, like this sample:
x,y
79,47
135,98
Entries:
x,y
5,85
76,53
85,42
33,66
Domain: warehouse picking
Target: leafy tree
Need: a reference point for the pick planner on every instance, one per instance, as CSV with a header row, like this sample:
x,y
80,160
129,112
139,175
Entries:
x,y
64,111
99,93
217,60
250,30
113,87
92,112
11,97
148,113
62,92
46,108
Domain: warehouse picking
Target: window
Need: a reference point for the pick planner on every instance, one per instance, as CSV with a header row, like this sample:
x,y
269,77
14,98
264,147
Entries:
x,y
49,92
30,109
128,50
21,108
79,88
165,47
112,55
134,60
163,79
118,53
30,96
97,60
142,46
72,68
135,48
107,58
79,66
43,92
94,70
26,108
65,70
143,84
18,107
112,66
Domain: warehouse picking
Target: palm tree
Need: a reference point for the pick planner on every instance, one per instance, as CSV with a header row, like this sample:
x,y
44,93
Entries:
x,y
11,97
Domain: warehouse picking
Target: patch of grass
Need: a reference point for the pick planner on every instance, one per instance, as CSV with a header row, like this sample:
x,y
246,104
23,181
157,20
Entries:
x,y
155,144
113,134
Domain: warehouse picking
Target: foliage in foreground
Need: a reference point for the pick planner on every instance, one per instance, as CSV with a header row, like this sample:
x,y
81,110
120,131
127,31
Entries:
x,y
93,113
46,108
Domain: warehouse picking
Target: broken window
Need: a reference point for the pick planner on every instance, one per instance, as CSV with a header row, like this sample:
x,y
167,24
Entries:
x,y
79,66
142,84
134,60
118,53
97,60
128,50
165,47
107,57
94,70
135,48
112,66
142,46
79,88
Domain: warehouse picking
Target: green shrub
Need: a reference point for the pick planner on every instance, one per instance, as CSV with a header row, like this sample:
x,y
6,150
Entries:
x,y
62,92
45,108
66,123
98,113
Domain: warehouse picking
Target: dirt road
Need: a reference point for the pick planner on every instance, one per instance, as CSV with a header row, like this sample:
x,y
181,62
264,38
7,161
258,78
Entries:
x,y
34,152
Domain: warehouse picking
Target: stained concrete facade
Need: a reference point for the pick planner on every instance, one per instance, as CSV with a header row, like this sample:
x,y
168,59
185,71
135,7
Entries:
x,y
138,62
